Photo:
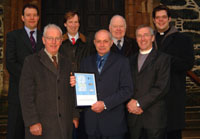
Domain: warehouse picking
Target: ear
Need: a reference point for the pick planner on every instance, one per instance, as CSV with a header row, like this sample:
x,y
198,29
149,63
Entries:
x,y
65,24
153,38
170,19
43,40
22,17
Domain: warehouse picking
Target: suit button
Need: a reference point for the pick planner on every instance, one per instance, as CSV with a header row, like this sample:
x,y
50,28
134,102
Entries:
x,y
59,115
59,97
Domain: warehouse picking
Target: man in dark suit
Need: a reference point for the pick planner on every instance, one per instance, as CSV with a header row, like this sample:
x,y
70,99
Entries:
x,y
121,43
151,72
180,48
19,44
105,119
47,103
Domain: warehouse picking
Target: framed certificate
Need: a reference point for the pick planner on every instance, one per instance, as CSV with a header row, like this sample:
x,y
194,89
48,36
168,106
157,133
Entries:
x,y
85,88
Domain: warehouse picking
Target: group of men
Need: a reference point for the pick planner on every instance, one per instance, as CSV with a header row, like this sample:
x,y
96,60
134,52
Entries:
x,y
140,84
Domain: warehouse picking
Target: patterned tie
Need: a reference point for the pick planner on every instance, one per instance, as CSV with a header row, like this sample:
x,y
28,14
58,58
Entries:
x,y
73,41
100,65
32,41
55,61
119,45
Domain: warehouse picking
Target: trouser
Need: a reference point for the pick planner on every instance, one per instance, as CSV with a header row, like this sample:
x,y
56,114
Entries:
x,y
15,122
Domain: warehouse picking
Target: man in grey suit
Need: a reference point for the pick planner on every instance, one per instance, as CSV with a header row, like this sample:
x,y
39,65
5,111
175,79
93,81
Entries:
x,y
47,103
19,44
106,118
150,72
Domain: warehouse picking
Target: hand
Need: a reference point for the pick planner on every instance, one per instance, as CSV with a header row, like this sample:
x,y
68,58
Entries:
x,y
72,81
76,122
98,107
36,129
133,108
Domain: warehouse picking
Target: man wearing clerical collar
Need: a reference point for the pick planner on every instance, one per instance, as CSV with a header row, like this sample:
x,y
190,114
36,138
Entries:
x,y
150,72
180,47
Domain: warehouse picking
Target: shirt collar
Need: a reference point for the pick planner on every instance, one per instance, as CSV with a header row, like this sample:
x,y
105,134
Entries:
x,y
76,36
50,55
115,41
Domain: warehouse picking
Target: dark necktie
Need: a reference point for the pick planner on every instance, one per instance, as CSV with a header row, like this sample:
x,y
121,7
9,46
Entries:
x,y
32,41
73,41
119,45
55,61
100,65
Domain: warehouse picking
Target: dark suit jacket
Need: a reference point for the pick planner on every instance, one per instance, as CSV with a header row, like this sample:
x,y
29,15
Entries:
x,y
45,96
180,48
129,47
114,87
18,46
151,85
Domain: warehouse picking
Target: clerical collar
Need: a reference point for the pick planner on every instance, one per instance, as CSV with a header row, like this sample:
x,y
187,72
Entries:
x,y
145,51
163,33
76,36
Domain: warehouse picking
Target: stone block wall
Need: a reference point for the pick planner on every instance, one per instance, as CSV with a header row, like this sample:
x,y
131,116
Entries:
x,y
1,47
186,17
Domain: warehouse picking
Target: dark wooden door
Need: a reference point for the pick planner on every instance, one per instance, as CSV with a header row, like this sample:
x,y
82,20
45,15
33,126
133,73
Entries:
x,y
95,14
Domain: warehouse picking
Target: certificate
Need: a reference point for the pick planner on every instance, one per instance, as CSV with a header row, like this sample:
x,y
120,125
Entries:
x,y
85,87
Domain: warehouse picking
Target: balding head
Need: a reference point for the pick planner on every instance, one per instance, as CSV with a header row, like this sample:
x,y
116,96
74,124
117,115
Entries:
x,y
103,42
117,27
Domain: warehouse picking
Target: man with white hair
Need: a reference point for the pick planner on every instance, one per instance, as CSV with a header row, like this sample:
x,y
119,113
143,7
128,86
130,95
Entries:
x,y
47,104
121,43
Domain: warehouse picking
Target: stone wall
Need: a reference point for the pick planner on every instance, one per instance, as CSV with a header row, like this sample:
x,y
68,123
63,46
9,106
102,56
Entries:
x,y
186,17
1,48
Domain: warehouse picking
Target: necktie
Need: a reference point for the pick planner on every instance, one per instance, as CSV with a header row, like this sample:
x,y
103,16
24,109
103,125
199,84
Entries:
x,y
32,41
73,41
100,65
54,61
119,45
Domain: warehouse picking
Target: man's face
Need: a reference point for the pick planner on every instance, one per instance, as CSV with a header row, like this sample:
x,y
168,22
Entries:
x,y
30,18
161,20
52,40
72,25
102,43
117,28
144,39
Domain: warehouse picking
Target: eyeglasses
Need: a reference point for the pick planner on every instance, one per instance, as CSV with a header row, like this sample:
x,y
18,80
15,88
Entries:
x,y
161,17
53,39
143,36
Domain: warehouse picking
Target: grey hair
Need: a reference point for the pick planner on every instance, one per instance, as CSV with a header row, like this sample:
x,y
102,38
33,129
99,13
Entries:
x,y
51,26
144,26
109,34
111,20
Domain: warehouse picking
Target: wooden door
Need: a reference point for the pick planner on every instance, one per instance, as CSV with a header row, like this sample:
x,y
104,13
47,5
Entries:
x,y
94,14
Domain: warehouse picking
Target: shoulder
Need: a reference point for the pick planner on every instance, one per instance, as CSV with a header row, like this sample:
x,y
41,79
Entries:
x,y
15,32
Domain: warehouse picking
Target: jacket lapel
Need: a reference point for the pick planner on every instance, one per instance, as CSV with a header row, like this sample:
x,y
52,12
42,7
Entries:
x,y
26,39
109,61
46,61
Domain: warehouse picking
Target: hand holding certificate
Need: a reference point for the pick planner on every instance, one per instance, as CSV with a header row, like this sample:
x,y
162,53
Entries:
x,y
85,89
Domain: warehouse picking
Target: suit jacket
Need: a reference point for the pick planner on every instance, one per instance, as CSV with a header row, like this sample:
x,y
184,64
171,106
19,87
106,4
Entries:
x,y
129,47
75,53
180,48
114,87
45,96
18,46
151,85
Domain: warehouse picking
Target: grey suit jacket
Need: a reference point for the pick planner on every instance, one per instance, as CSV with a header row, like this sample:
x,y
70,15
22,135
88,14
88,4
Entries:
x,y
45,96
151,85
